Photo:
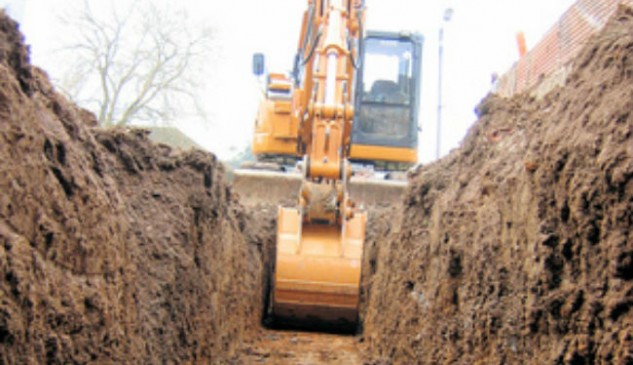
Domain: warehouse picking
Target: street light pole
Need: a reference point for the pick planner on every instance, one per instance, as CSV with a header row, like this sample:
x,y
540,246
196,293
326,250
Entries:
x,y
448,13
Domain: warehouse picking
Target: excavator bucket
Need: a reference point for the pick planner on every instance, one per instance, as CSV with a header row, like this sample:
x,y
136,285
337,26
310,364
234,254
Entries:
x,y
282,188
317,273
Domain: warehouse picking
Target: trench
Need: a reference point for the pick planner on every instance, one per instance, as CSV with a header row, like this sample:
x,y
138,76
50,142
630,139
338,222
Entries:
x,y
275,342
515,248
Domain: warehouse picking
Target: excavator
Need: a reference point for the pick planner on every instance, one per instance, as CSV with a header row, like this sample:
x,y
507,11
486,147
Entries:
x,y
345,115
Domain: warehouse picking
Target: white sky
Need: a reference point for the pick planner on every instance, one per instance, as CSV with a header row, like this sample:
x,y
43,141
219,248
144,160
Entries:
x,y
479,40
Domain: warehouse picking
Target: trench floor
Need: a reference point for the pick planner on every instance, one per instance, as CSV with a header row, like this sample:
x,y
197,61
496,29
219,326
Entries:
x,y
301,348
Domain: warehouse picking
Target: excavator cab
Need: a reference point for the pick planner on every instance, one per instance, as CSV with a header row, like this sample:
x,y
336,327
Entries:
x,y
385,131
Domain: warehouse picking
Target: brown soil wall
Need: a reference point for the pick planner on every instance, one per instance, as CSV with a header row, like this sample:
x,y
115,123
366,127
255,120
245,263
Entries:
x,y
112,249
517,248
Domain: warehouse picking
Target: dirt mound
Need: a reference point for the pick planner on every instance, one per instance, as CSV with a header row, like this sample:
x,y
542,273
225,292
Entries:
x,y
517,248
112,249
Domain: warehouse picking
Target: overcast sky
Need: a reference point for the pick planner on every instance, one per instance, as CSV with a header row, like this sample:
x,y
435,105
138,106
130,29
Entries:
x,y
479,40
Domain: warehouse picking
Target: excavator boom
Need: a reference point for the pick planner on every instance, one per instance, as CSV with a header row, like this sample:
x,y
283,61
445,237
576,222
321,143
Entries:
x,y
320,240
342,103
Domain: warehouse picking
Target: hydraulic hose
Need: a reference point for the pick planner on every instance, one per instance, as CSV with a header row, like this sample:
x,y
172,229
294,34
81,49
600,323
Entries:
x,y
312,48
356,62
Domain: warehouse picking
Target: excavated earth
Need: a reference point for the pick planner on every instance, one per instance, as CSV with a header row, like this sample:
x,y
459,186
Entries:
x,y
112,249
517,248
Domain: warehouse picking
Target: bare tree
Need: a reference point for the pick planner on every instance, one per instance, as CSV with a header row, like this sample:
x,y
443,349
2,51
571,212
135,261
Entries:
x,y
138,64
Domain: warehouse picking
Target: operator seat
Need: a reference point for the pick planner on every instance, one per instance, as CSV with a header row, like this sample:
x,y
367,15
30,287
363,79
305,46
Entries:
x,y
389,117
386,91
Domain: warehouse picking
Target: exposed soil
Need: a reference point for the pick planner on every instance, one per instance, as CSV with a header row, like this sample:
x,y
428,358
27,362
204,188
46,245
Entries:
x,y
517,248
112,249
300,348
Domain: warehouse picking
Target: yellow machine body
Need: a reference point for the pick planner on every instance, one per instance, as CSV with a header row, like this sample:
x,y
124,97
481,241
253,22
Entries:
x,y
310,116
276,129
384,153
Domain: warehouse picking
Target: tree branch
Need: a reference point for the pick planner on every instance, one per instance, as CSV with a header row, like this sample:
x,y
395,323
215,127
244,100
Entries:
x,y
137,65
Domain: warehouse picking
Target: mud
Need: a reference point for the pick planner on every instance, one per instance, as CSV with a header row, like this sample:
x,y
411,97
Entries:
x,y
517,248
112,249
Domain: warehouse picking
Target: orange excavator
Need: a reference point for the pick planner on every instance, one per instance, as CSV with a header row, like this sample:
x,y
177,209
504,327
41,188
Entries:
x,y
350,104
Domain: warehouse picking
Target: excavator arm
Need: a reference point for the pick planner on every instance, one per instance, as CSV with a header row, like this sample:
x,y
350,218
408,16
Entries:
x,y
351,96
320,241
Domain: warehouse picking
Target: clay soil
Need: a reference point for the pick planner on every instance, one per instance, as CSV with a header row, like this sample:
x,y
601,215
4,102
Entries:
x,y
517,248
